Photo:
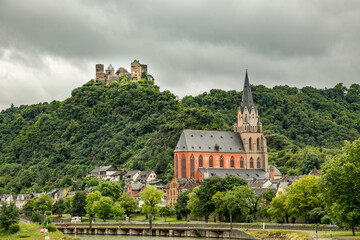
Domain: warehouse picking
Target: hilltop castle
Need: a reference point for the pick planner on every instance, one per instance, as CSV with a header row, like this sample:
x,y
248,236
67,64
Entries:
x,y
138,71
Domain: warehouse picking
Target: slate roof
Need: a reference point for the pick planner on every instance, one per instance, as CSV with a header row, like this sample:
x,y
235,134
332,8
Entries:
x,y
144,175
136,186
101,169
248,174
247,99
122,70
131,173
209,141
110,67
276,171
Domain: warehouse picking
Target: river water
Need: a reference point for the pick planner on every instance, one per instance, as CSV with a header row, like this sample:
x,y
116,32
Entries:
x,y
121,237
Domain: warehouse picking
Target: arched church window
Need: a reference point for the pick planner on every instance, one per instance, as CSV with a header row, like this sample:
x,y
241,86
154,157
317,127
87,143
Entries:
x,y
241,162
258,163
250,144
211,162
251,163
258,144
176,166
192,166
183,166
232,163
200,161
221,161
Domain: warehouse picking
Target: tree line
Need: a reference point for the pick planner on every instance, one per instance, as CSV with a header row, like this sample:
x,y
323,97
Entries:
x,y
54,145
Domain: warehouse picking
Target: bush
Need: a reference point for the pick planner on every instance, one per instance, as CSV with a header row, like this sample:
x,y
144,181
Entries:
x,y
36,217
52,227
14,228
280,220
249,219
48,213
325,220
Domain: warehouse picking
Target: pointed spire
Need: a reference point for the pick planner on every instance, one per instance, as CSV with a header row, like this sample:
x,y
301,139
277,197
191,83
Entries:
x,y
247,99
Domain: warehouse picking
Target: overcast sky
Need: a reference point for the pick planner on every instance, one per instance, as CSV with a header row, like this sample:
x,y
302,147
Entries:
x,y
48,48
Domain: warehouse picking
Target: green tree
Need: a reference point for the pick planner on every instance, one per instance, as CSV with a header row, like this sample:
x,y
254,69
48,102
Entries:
x,y
303,196
36,217
9,214
340,186
103,207
151,198
129,203
79,204
194,204
269,194
181,209
59,207
91,198
117,210
109,189
236,201
166,212
278,208
43,203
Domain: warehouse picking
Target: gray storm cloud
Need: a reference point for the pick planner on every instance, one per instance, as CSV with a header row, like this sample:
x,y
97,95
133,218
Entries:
x,y
48,48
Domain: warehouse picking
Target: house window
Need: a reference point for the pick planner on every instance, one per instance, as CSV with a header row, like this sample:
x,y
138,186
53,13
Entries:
x,y
232,164
211,163
250,144
183,166
176,167
200,161
251,163
258,144
241,162
258,163
192,167
221,161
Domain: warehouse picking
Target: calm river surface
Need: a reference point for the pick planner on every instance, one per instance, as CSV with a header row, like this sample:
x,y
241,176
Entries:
x,y
119,237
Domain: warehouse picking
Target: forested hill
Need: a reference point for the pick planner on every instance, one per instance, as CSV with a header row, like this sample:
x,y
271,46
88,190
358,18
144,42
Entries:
x,y
137,127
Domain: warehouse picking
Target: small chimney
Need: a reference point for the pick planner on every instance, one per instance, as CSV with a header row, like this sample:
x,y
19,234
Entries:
x,y
272,172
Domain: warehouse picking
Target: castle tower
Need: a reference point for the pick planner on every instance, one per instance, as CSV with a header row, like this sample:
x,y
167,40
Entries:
x,y
138,70
99,73
110,71
249,126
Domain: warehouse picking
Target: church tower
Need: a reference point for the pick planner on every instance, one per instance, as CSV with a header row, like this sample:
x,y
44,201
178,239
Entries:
x,y
249,126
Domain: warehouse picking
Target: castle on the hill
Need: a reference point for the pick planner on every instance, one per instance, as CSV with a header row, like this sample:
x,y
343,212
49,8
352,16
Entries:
x,y
138,71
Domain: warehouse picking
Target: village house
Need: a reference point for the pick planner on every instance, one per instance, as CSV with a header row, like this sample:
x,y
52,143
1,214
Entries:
x,y
21,200
134,188
131,176
177,185
146,176
106,173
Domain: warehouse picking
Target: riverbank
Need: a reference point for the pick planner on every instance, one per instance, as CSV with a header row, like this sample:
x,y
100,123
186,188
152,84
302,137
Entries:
x,y
31,231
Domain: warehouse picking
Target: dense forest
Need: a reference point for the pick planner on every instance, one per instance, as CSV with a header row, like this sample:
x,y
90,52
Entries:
x,y
135,126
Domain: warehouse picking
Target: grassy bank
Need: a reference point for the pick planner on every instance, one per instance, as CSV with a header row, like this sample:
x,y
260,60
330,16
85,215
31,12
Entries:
x,y
291,235
31,231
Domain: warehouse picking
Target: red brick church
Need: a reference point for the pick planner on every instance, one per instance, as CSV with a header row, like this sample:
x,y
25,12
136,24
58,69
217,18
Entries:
x,y
201,154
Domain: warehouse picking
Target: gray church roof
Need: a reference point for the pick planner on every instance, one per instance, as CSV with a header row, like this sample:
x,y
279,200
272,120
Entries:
x,y
248,174
209,141
276,171
247,99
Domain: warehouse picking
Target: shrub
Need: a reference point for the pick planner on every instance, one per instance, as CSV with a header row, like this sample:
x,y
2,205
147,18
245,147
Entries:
x,y
249,219
14,228
325,220
36,217
48,213
52,227
280,220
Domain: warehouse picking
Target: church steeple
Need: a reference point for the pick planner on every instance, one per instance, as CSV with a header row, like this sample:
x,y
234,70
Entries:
x,y
247,99
248,119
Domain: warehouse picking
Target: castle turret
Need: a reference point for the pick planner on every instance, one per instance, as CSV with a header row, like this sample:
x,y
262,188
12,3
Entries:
x,y
110,71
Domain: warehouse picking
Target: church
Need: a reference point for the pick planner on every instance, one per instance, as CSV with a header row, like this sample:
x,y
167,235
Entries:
x,y
201,154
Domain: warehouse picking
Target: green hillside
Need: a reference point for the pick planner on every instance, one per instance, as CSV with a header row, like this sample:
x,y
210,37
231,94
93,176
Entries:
x,y
136,126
